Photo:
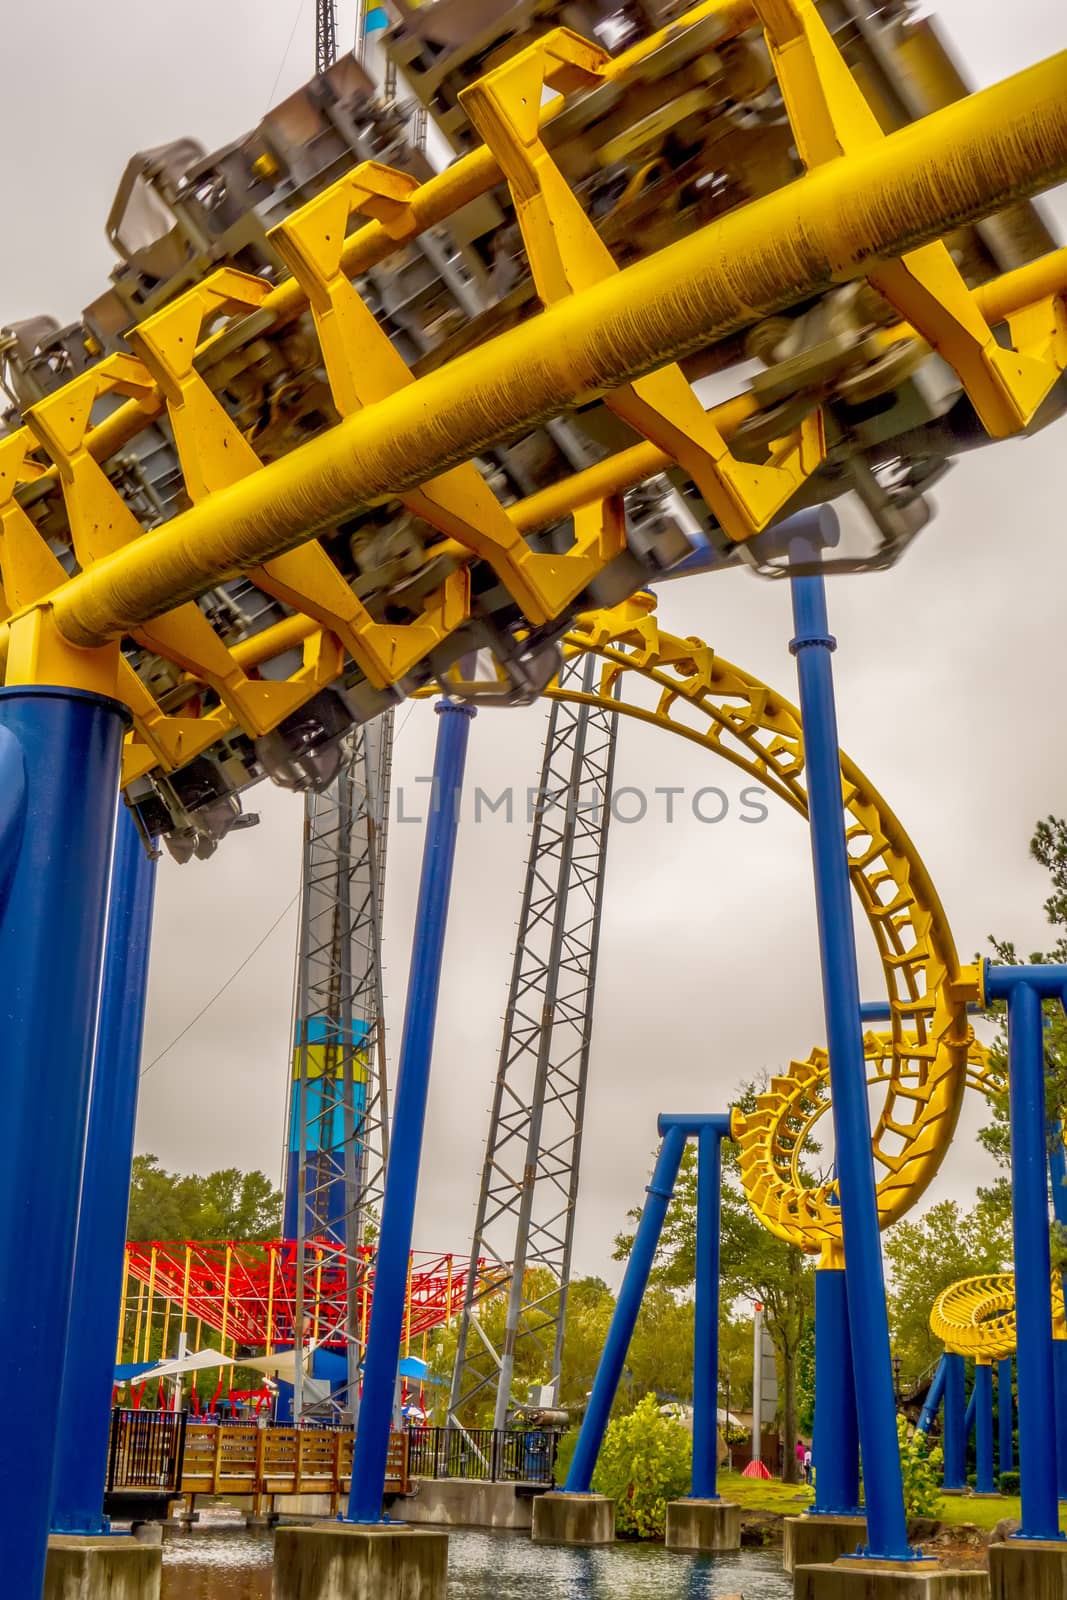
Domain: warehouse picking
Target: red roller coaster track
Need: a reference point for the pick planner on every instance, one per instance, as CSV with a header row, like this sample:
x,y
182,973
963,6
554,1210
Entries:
x,y
246,1291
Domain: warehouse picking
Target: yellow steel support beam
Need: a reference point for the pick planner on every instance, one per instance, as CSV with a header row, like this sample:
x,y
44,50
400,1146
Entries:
x,y
897,194
432,203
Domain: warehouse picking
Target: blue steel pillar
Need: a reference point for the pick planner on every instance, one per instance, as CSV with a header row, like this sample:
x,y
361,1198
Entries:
x,y
954,1423
1024,988
1005,1415
706,1311
835,1436
875,1400
59,774
409,1117
85,1407
634,1283
983,1428
1059,1379
933,1399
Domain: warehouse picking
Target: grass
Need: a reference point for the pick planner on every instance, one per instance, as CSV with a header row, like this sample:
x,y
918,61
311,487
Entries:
x,y
764,1494
789,1499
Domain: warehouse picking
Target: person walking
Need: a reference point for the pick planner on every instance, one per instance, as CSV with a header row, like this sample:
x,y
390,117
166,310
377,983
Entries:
x,y
807,1466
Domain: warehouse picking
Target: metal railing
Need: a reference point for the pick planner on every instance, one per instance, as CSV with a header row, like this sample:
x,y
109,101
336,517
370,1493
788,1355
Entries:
x,y
147,1450
493,1455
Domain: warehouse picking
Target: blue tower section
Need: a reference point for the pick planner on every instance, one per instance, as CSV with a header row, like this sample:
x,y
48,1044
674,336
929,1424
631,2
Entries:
x,y
317,1120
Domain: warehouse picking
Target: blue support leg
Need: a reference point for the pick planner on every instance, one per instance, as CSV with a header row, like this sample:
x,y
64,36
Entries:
x,y
1059,1378
60,751
88,1374
983,1428
835,1437
968,1420
954,1430
706,1317
634,1283
1033,1264
409,1117
876,1403
1006,1415
933,1399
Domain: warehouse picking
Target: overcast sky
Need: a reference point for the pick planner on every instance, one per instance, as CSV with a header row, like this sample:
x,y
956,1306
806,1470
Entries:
x,y
949,670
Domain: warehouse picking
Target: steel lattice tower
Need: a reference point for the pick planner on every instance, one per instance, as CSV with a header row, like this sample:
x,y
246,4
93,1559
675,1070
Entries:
x,y
529,1185
325,34
338,1120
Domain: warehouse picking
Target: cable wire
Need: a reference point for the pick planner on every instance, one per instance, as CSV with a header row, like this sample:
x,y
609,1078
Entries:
x,y
220,992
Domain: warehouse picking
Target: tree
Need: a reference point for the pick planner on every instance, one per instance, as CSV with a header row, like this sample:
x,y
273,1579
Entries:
x,y
754,1266
926,1255
227,1204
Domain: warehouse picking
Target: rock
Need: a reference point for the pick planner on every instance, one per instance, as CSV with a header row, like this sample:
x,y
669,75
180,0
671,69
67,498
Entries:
x,y
922,1529
1004,1530
759,1531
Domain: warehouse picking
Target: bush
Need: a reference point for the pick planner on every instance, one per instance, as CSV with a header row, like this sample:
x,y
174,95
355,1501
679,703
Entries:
x,y
646,1460
1009,1483
921,1470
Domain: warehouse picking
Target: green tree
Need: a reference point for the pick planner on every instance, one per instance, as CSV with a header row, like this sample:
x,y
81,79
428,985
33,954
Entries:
x,y
226,1204
590,1304
925,1255
754,1266
645,1462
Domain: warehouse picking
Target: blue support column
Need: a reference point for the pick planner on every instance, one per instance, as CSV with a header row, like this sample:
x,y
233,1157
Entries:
x,y
954,1424
876,1404
706,1311
835,1437
634,1283
88,1375
983,1428
1023,987
933,1399
409,1117
1006,1415
968,1420
1059,1379
59,773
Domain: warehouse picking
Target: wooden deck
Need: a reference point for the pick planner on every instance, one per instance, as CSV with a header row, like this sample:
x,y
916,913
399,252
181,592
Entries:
x,y
260,1463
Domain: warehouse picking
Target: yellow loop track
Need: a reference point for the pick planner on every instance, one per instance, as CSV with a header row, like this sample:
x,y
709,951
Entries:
x,y
658,678
976,1316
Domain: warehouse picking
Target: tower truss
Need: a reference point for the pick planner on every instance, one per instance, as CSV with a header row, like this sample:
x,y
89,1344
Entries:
x,y
325,34
529,1184
338,1138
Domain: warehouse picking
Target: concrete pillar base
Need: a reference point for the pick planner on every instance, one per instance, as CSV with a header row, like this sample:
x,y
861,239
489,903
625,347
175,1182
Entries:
x,y
345,1561
1034,1568
818,1538
573,1519
101,1567
703,1525
852,1579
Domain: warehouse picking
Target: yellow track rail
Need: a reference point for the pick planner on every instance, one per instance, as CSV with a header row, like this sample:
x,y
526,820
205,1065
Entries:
x,y
976,1316
926,1057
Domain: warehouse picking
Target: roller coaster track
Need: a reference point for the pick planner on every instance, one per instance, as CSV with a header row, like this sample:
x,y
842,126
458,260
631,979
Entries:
x,y
90,573
928,1056
976,1316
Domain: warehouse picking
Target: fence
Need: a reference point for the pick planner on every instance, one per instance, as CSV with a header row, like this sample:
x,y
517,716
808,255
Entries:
x,y
494,1455
243,1459
147,1450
